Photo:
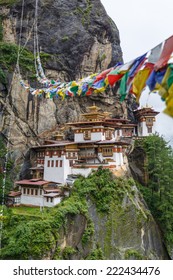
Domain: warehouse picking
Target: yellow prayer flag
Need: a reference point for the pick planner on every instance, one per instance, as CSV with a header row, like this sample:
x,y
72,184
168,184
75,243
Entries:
x,y
139,82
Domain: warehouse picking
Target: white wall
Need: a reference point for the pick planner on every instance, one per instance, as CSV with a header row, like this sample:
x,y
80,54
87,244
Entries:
x,y
118,157
82,171
145,129
56,174
32,200
97,136
78,137
56,200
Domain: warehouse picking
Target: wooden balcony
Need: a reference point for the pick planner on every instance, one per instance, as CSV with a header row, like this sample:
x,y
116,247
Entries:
x,y
87,156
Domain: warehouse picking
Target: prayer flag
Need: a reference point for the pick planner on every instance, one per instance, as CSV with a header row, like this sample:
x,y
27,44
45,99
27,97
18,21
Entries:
x,y
165,55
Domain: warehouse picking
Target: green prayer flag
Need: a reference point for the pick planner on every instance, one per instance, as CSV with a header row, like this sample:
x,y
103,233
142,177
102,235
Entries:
x,y
123,87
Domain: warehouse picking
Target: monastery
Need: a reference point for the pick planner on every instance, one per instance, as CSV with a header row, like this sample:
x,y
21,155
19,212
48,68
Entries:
x,y
99,140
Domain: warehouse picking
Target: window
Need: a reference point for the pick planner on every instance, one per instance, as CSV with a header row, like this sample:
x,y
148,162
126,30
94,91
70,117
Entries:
x,y
24,191
108,134
107,152
59,153
87,135
32,192
56,163
52,164
36,192
74,154
48,163
28,191
17,200
149,129
40,192
71,163
69,155
47,199
51,199
60,163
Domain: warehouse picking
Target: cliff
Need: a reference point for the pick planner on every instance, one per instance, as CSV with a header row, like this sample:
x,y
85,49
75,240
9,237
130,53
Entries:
x,y
104,218
76,38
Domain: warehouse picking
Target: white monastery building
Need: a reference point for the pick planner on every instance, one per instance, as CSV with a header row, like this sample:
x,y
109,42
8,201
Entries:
x,y
99,140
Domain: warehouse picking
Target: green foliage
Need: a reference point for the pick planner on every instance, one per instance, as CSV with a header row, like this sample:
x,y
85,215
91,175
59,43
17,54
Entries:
x,y
10,163
71,206
68,252
133,255
102,187
8,2
30,240
29,234
159,193
1,29
84,13
3,79
89,231
8,57
96,254
65,38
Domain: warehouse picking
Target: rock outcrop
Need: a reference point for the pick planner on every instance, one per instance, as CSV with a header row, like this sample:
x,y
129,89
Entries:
x,y
78,38
127,232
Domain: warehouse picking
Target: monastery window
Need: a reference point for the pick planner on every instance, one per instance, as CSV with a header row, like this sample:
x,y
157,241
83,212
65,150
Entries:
x,y
52,163
17,200
36,192
32,192
47,199
40,192
50,154
71,163
48,163
51,199
60,163
56,163
87,135
108,134
74,154
149,129
107,152
24,191
59,154
149,120
28,191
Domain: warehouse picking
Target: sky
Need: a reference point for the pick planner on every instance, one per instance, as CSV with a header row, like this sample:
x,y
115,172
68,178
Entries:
x,y
142,25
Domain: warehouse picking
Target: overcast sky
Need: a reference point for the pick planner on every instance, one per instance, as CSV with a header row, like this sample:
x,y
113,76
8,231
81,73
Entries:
x,y
142,25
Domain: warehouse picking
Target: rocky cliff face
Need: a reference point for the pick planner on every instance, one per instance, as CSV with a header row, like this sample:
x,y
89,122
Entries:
x,y
77,38
127,232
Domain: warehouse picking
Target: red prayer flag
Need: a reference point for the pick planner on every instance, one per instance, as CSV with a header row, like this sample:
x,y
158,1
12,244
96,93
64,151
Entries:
x,y
165,55
103,74
113,78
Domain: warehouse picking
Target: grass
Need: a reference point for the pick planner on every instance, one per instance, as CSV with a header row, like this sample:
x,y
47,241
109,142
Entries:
x,y
8,2
33,211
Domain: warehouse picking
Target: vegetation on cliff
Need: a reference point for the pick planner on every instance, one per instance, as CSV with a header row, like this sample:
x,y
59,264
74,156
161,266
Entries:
x,y
159,190
9,168
34,234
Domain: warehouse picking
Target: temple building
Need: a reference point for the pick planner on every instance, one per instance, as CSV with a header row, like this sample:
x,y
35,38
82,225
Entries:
x,y
99,140
146,121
